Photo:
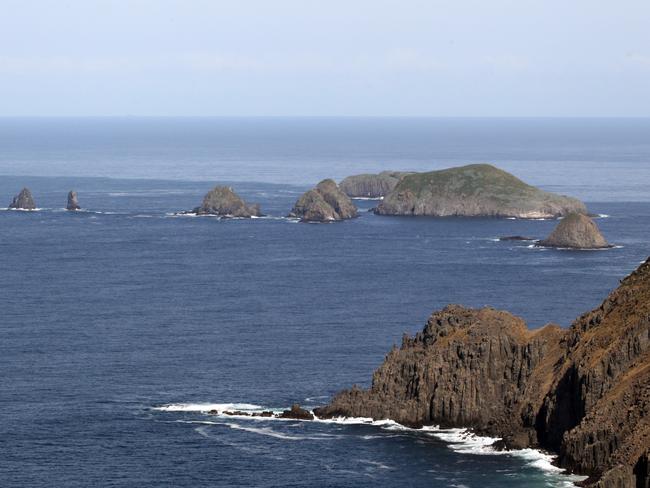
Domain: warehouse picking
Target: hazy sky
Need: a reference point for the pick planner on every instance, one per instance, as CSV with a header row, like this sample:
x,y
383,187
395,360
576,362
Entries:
x,y
330,57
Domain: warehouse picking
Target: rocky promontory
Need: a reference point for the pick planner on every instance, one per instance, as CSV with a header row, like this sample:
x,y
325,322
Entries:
x,y
73,202
223,201
23,201
325,203
476,190
371,185
582,392
576,231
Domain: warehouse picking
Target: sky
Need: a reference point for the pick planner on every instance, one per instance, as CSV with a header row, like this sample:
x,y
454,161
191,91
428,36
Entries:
x,y
452,58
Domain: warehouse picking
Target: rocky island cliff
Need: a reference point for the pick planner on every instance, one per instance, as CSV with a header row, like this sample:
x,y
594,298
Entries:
x,y
73,201
223,201
324,203
576,231
581,392
371,185
23,201
476,190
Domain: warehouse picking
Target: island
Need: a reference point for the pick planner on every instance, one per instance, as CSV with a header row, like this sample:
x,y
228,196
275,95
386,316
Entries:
x,y
582,392
371,185
576,231
476,190
224,202
73,202
324,203
23,201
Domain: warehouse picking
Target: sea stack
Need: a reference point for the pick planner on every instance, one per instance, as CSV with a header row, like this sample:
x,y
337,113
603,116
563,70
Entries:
x,y
23,201
223,201
476,190
576,231
371,185
581,392
73,202
325,203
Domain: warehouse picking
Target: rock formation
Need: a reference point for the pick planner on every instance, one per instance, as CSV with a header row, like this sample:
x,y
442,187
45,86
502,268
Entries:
x,y
23,201
297,412
582,392
73,202
477,190
576,231
325,203
223,201
371,185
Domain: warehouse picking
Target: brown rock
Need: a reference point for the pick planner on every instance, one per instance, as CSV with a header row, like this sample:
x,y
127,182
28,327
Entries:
x,y
23,201
297,412
223,201
582,392
325,203
576,231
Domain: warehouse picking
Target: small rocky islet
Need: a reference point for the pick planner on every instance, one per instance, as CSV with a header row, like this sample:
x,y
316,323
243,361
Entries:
x,y
372,186
324,203
223,201
576,231
23,201
73,202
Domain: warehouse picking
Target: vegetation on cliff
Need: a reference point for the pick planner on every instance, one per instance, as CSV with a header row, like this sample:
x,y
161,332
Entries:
x,y
476,190
223,201
371,185
325,203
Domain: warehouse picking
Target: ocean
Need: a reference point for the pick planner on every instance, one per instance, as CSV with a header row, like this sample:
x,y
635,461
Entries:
x,y
124,323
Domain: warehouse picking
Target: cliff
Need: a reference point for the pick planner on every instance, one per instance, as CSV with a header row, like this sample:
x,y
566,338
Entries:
x,y
476,190
371,185
23,201
325,203
582,392
576,231
222,200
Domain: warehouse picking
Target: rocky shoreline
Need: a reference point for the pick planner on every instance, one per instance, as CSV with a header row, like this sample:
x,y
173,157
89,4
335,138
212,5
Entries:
x,y
582,393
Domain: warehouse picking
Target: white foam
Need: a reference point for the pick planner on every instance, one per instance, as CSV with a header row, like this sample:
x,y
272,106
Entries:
x,y
368,198
207,407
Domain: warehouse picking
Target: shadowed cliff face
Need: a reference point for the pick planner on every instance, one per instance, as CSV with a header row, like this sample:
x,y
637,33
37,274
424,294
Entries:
x,y
582,392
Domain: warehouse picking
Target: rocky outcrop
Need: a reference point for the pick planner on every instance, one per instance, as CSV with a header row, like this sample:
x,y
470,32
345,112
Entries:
x,y
23,201
582,392
73,201
223,201
325,203
371,185
296,412
477,190
576,231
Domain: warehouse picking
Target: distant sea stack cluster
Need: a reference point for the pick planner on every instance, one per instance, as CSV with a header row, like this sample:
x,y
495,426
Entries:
x,y
582,393
25,201
223,201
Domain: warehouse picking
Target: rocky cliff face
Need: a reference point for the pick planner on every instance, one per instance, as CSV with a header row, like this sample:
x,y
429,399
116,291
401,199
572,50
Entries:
x,y
23,201
576,231
73,201
371,185
222,200
477,190
582,392
325,203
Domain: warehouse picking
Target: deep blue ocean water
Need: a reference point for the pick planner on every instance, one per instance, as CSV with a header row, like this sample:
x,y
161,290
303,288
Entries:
x,y
111,313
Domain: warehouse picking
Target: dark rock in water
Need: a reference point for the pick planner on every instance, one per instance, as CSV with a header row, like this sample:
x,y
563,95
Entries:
x,y
266,413
477,190
223,201
576,231
297,412
325,203
73,202
23,201
582,392
371,185
516,238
